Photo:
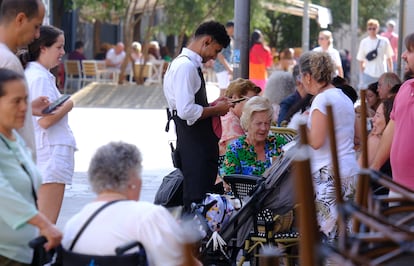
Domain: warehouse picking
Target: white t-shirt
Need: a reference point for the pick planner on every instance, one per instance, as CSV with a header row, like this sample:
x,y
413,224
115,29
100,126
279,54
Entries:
x,y
344,117
124,222
116,59
42,83
378,66
10,61
334,54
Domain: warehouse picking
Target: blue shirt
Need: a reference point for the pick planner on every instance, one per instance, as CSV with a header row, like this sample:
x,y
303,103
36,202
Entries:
x,y
227,53
286,104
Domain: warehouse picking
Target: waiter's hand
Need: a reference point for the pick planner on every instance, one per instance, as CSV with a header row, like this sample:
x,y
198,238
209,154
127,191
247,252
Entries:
x,y
222,105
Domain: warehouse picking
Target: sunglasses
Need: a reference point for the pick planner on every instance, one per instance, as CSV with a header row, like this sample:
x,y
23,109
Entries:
x,y
321,38
372,28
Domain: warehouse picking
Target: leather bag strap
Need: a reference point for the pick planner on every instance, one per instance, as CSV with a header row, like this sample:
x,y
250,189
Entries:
x,y
89,221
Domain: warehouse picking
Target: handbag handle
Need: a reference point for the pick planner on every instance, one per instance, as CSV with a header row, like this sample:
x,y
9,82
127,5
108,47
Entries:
x,y
89,221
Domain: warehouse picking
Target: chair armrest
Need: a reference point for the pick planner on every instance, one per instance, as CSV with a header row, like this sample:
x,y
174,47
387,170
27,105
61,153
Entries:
x,y
239,178
242,185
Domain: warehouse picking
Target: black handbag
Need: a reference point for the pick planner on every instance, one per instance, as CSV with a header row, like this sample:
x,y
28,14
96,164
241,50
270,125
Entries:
x,y
170,192
373,54
40,255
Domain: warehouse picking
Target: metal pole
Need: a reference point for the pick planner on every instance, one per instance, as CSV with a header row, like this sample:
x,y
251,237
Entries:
x,y
354,44
401,30
305,26
241,39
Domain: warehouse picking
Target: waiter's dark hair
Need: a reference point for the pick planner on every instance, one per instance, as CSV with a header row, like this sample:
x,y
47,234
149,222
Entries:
x,y
214,29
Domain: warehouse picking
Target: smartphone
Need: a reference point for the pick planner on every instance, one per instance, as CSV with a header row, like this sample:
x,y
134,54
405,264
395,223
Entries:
x,y
52,107
238,100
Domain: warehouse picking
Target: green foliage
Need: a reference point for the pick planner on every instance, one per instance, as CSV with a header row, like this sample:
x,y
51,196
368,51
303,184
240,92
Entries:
x,y
183,16
285,31
378,9
102,10
280,30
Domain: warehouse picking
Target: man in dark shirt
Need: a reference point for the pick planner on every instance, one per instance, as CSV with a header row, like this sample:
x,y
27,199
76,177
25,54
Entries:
x,y
77,54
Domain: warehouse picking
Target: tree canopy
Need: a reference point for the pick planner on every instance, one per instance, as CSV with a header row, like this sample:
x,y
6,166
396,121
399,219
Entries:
x,y
181,17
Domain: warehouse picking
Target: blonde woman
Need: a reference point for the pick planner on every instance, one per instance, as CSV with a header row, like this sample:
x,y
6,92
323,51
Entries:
x,y
252,154
325,41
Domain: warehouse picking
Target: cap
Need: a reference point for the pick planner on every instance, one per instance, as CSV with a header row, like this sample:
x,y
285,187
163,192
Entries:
x,y
229,23
391,23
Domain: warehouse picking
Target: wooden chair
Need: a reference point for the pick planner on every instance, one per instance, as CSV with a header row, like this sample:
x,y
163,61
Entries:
x,y
312,251
73,73
385,240
107,74
156,72
143,71
288,133
89,71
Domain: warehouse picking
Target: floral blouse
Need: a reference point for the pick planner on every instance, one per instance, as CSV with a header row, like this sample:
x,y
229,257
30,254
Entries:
x,y
241,157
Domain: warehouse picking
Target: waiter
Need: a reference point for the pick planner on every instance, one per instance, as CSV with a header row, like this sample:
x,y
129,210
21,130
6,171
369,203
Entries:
x,y
185,91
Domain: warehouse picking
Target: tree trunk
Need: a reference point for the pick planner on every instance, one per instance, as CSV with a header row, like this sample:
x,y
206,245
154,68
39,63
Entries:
x,y
97,37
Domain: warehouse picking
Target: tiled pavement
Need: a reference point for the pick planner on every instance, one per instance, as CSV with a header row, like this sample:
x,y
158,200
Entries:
x,y
131,113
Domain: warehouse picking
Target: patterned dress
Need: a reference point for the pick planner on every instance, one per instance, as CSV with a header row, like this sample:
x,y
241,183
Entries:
x,y
241,158
325,200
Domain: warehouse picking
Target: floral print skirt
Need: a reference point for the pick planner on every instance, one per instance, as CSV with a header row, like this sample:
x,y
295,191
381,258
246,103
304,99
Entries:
x,y
325,199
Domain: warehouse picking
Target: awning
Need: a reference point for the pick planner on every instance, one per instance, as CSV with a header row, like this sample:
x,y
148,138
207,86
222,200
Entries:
x,y
295,7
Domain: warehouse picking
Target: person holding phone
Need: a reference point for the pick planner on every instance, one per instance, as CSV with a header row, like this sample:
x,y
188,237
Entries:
x,y
54,139
185,92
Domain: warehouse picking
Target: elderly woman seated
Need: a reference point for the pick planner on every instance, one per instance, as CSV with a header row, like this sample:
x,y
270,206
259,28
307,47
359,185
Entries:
x,y
115,174
252,154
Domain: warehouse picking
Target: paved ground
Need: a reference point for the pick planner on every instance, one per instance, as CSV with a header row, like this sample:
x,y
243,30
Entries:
x,y
131,96
135,114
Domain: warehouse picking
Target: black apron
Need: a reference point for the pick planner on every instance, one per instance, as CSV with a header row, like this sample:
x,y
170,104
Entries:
x,y
197,147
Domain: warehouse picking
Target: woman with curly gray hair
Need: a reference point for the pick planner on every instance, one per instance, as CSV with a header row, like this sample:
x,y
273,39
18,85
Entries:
x,y
115,174
316,69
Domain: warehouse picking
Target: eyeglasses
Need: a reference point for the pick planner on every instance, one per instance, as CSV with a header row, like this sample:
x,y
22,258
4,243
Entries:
x,y
321,38
374,28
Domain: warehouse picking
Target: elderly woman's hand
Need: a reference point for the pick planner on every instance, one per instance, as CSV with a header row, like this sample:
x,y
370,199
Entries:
x,y
53,236
47,229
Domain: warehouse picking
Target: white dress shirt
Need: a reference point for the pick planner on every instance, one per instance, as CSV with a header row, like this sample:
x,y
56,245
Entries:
x,y
181,83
